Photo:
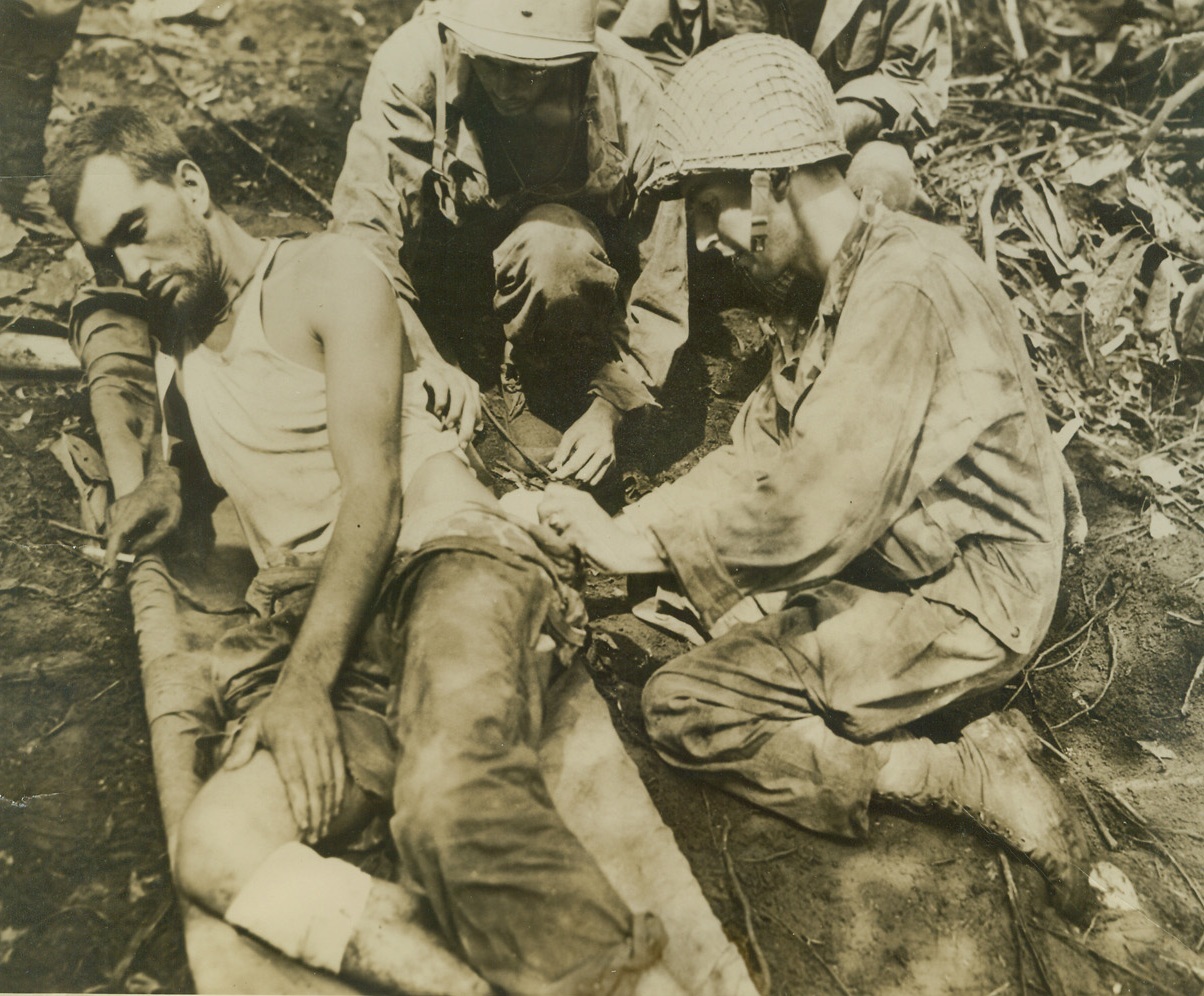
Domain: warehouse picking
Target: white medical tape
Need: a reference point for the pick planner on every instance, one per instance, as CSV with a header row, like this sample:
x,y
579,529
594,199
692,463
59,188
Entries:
x,y
302,904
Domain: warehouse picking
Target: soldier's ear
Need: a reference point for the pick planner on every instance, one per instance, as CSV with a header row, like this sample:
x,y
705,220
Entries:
x,y
191,182
779,183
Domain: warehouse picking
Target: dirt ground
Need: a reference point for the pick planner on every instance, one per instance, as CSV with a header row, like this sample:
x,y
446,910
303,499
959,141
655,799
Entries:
x,y
922,907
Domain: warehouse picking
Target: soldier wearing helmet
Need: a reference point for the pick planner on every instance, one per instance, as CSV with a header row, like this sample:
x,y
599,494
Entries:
x,y
889,62
883,536
494,171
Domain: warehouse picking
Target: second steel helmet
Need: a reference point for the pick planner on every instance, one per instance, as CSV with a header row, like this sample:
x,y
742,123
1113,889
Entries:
x,y
536,32
753,102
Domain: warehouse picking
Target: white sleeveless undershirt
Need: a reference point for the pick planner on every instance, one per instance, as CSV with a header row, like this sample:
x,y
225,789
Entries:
x,y
260,422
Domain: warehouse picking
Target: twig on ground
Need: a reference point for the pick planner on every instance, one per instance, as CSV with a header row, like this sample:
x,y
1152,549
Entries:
x,y
68,717
139,939
1011,17
1021,926
1185,709
1153,841
809,945
1111,963
761,859
762,968
1118,533
1173,103
74,530
534,464
1114,658
986,219
1017,934
1097,817
255,147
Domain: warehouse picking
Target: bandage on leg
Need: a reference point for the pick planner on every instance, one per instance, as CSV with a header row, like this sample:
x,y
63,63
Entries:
x,y
302,904
332,916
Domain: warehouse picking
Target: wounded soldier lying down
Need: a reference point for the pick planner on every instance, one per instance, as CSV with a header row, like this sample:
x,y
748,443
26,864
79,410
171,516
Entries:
x,y
403,670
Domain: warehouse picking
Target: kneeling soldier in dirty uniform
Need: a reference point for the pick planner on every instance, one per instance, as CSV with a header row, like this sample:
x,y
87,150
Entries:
x,y
493,171
893,480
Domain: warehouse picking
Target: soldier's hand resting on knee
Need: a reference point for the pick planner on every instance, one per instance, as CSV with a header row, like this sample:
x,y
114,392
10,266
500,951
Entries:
x,y
581,521
296,722
587,449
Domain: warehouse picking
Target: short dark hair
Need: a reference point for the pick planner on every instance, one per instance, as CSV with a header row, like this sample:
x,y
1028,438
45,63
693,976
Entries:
x,y
150,148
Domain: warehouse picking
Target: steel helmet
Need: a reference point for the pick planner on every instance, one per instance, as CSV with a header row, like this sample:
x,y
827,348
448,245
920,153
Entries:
x,y
752,102
536,32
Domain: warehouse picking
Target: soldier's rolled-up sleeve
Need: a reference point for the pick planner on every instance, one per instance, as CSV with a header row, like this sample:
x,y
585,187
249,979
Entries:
x,y
378,197
909,86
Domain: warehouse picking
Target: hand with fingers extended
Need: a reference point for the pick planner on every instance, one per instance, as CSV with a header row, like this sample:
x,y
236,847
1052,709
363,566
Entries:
x,y
297,723
452,396
587,449
141,520
582,522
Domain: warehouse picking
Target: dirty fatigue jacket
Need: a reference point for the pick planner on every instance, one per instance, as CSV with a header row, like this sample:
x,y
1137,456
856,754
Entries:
x,y
414,162
894,55
899,443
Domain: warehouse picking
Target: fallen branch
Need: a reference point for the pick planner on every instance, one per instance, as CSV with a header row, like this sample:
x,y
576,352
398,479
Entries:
x,y
74,530
1018,920
1097,817
1017,935
1185,709
762,968
1173,103
1153,841
255,147
1111,963
809,946
1011,17
535,465
138,941
1113,659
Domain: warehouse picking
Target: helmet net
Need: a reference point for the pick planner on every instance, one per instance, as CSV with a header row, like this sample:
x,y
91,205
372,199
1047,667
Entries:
x,y
748,103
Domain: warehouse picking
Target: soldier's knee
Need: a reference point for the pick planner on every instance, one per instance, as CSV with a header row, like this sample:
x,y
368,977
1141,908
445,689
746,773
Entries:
x,y
672,710
207,841
556,251
887,168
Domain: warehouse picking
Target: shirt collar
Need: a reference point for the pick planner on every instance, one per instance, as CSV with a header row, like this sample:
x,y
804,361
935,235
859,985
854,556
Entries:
x,y
844,266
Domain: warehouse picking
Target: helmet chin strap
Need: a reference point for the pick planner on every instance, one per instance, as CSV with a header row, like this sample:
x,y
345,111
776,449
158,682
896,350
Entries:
x,y
761,204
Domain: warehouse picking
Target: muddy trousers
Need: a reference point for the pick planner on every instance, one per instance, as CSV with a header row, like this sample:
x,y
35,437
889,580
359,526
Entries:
x,y
475,828
34,35
550,286
782,711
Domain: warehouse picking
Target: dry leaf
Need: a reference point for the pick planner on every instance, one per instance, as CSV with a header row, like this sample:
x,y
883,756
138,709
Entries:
x,y
1113,887
1190,320
11,235
1158,750
157,10
21,421
57,284
1161,526
13,283
1112,291
1172,221
1160,470
1099,166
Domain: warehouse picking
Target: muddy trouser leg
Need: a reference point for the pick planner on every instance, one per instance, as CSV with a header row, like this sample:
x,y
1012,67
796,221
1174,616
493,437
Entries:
x,y
782,711
474,825
555,297
35,34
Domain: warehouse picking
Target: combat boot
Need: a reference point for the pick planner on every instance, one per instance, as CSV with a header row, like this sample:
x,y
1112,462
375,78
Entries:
x,y
991,776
